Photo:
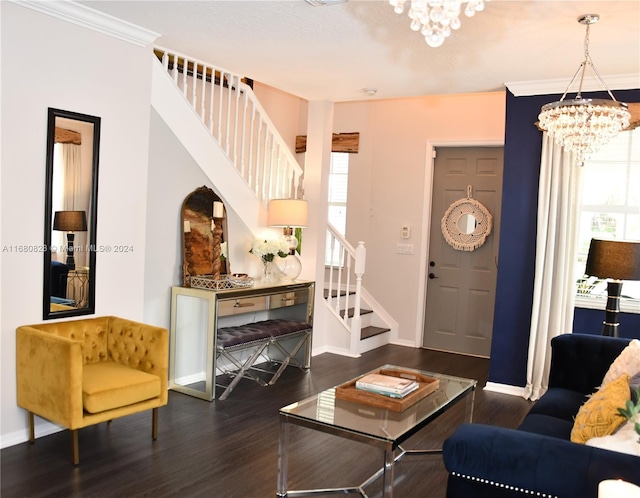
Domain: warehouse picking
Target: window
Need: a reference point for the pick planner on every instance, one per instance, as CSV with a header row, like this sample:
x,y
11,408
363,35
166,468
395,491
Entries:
x,y
338,182
610,210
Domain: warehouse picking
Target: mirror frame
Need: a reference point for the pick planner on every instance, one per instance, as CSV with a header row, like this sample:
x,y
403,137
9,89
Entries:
x,y
451,230
198,206
92,220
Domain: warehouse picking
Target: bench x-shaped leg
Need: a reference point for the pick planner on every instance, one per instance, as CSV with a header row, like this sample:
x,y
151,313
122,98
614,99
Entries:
x,y
242,369
288,356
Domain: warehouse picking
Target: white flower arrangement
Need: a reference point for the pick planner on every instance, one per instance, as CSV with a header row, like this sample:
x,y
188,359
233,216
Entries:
x,y
267,249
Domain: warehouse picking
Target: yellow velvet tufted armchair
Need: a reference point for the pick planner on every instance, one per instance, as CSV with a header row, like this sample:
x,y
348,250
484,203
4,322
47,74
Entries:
x,y
82,372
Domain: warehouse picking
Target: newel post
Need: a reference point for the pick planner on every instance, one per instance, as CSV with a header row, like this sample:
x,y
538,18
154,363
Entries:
x,y
356,325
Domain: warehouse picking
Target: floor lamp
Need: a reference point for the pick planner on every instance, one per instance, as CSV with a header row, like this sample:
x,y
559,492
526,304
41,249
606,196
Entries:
x,y
70,222
288,214
614,261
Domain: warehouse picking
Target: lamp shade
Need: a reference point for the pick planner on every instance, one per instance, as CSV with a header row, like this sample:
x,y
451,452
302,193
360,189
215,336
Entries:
x,y
615,259
287,213
70,221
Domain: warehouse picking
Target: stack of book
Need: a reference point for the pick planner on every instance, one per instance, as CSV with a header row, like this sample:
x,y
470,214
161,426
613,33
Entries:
x,y
394,387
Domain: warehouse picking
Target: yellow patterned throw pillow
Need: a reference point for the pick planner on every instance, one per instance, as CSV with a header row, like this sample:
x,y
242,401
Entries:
x,y
599,416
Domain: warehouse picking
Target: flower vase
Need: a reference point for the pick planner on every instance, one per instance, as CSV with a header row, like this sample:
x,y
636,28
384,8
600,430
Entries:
x,y
268,271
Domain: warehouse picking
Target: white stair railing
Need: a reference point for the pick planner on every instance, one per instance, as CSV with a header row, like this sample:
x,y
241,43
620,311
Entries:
x,y
230,110
344,263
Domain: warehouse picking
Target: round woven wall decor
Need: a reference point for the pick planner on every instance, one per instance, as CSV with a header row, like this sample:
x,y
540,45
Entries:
x,y
466,224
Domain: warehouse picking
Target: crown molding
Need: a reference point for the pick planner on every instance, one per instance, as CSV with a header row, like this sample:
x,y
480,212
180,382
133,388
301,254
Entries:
x,y
591,84
92,19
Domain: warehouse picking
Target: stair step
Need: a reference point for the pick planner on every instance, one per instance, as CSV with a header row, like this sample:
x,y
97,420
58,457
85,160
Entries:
x,y
352,310
334,293
372,331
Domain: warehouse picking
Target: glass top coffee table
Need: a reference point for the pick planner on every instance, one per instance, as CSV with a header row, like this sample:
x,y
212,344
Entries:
x,y
378,427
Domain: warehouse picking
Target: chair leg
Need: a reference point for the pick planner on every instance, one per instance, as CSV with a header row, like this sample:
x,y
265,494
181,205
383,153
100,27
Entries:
x,y
154,424
74,447
32,429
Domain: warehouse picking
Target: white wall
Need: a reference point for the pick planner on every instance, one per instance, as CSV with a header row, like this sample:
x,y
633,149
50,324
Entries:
x,y
387,180
173,175
287,112
48,62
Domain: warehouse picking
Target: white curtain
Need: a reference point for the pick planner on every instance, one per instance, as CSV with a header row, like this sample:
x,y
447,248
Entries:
x,y
554,285
67,187
70,159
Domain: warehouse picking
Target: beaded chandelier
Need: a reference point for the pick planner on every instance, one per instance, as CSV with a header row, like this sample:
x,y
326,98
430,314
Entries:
x,y
582,125
436,18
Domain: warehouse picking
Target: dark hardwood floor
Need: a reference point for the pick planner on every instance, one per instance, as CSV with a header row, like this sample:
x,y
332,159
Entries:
x,y
228,449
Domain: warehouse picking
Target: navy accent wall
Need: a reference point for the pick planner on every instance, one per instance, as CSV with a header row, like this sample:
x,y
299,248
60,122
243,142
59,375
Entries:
x,y
516,268
589,321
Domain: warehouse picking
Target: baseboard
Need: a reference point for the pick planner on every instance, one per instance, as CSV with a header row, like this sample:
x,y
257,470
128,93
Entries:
x,y
404,342
22,436
333,350
190,379
504,389
315,351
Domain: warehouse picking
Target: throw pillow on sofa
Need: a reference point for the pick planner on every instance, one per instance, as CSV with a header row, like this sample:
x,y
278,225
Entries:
x,y
627,362
599,415
624,440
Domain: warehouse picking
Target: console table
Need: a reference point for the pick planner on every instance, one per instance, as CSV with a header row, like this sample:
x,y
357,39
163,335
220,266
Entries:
x,y
197,351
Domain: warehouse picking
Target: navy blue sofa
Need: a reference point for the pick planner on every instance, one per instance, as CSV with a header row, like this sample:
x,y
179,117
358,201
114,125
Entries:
x,y
538,459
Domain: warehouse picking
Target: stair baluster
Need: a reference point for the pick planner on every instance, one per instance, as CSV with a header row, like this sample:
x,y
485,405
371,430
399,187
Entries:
x,y
345,262
271,169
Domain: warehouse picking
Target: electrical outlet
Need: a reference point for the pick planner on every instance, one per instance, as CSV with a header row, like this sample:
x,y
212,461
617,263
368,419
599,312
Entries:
x,y
404,249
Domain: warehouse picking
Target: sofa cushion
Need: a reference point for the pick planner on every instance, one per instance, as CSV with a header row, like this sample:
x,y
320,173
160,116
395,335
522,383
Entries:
x,y
627,362
107,385
599,416
547,425
560,403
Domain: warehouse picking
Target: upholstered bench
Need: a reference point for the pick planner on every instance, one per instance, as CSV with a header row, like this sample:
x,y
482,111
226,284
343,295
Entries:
x,y
242,346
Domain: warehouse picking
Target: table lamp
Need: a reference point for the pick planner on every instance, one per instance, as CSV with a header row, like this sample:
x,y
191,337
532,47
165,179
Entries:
x,y
70,222
614,261
288,214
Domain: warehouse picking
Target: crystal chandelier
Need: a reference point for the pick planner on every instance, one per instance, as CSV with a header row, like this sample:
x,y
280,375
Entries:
x,y
436,18
581,125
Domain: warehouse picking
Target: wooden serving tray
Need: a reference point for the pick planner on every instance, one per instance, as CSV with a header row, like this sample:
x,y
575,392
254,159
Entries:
x,y
349,392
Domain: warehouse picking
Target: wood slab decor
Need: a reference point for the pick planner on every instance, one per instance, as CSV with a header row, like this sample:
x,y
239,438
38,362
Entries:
x,y
201,249
340,142
349,392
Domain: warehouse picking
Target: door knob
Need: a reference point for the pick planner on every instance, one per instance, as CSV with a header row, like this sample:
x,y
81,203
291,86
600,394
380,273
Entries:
x,y
432,276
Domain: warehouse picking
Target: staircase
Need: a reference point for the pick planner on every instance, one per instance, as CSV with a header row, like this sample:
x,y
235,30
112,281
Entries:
x,y
367,327
218,119
368,331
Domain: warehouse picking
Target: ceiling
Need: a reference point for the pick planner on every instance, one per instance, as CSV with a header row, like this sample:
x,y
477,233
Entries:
x,y
333,52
